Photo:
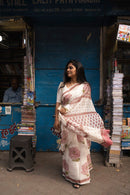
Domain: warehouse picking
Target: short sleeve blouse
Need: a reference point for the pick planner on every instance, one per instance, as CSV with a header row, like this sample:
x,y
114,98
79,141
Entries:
x,y
59,93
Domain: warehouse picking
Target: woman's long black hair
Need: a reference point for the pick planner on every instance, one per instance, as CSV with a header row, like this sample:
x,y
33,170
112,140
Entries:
x,y
79,71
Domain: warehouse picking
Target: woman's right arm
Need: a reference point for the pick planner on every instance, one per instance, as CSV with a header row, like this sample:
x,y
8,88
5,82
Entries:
x,y
58,107
56,123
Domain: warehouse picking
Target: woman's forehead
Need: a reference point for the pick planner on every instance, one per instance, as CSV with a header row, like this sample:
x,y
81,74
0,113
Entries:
x,y
70,64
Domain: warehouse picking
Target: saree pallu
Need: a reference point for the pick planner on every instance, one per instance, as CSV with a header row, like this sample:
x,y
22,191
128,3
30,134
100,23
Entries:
x,y
79,126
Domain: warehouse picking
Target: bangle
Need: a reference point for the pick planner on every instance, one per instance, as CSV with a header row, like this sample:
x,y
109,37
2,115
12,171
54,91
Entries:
x,y
65,110
59,108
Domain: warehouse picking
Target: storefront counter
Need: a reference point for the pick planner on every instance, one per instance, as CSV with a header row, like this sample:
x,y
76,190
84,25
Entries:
x,y
10,116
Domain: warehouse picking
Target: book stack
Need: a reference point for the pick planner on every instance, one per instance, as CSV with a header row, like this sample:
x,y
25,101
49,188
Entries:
x,y
125,135
107,106
125,144
28,113
26,129
117,114
27,126
25,81
28,119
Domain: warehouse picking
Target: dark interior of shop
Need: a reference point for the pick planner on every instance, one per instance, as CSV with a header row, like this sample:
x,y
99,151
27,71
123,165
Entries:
x,y
12,54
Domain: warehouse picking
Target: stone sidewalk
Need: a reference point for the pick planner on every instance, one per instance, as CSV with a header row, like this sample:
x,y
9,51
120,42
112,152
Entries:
x,y
46,178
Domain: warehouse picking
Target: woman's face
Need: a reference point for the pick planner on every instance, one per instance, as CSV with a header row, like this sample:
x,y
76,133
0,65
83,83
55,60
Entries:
x,y
71,71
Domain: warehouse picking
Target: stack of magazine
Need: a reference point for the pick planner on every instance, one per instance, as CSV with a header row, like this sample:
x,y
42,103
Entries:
x,y
125,136
117,115
28,113
27,126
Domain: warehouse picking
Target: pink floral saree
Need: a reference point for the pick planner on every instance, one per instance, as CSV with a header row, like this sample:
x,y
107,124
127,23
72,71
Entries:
x,y
79,126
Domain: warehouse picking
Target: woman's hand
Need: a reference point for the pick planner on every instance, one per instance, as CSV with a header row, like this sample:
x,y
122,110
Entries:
x,y
57,124
62,110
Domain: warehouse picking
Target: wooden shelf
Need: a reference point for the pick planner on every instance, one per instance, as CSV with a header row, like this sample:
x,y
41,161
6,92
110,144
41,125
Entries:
x,y
124,60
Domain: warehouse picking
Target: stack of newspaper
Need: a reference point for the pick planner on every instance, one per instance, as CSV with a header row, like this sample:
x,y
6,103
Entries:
x,y
28,119
27,125
28,112
117,115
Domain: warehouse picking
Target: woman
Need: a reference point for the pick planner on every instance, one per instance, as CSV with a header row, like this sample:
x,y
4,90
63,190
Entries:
x,y
78,123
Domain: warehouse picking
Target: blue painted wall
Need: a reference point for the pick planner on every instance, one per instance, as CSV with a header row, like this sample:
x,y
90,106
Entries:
x,y
8,125
55,46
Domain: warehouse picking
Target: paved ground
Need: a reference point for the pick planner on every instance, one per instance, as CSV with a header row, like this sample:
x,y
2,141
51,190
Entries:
x,y
46,179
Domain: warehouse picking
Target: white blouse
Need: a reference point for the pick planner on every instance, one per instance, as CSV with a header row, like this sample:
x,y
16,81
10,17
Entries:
x,y
59,93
